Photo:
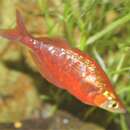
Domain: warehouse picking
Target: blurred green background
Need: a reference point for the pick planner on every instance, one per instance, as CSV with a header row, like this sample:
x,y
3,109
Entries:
x,y
100,28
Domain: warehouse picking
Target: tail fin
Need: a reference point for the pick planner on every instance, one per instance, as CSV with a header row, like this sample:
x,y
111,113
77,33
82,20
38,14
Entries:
x,y
17,32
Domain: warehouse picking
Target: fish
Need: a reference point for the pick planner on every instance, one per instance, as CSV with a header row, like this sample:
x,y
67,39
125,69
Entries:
x,y
68,68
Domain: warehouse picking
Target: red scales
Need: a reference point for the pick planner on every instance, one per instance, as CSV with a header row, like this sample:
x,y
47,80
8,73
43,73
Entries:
x,y
68,68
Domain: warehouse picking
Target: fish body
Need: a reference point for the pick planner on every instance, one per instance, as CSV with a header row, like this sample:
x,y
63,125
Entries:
x,y
68,68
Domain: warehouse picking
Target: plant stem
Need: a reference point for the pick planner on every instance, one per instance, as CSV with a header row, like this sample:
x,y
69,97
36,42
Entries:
x,y
115,77
108,29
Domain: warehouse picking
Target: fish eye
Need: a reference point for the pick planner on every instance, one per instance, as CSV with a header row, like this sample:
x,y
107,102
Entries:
x,y
113,104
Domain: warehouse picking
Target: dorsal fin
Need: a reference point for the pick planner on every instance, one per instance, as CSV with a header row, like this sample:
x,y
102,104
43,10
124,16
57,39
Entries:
x,y
59,42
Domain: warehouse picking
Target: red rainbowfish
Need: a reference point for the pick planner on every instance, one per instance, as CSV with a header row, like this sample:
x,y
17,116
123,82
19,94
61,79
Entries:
x,y
68,68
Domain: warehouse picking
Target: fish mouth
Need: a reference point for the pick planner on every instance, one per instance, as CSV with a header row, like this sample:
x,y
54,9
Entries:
x,y
119,109
123,110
